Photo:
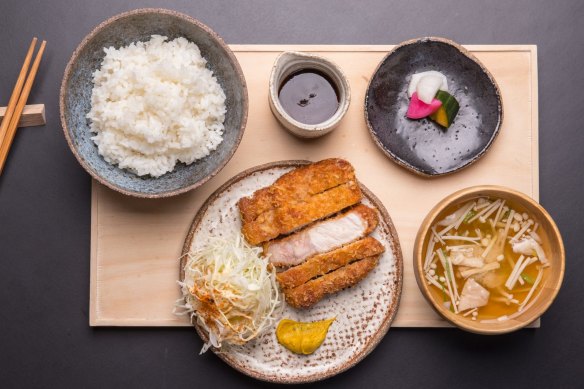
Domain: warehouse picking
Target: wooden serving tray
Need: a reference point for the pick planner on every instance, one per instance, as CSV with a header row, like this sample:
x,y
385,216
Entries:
x,y
136,243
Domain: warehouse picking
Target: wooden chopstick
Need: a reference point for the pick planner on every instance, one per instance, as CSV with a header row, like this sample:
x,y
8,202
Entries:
x,y
14,119
16,91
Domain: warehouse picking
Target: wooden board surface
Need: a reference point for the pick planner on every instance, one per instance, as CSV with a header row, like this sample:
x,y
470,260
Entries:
x,y
136,243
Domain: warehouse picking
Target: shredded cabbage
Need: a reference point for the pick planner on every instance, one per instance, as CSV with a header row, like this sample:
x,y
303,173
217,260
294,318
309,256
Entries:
x,y
230,289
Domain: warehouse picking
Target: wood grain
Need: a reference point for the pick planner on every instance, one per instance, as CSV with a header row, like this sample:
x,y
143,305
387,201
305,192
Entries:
x,y
136,243
15,118
14,98
32,115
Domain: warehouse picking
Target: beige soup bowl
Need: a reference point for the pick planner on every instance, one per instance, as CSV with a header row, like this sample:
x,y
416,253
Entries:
x,y
551,242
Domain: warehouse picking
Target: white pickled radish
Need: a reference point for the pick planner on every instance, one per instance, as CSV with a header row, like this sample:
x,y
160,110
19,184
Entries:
x,y
427,88
416,78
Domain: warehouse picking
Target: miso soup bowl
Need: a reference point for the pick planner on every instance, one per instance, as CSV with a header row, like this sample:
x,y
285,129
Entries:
x,y
551,243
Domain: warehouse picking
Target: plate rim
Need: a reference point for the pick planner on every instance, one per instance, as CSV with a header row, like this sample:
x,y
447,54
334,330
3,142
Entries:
x,y
375,338
470,56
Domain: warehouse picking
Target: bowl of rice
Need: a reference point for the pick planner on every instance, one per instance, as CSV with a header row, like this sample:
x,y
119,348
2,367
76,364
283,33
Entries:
x,y
153,103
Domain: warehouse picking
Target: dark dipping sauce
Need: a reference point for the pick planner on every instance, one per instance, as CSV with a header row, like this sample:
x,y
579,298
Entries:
x,y
309,96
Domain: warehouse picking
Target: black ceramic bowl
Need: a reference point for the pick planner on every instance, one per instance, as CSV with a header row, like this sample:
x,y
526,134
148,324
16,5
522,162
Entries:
x,y
75,99
422,146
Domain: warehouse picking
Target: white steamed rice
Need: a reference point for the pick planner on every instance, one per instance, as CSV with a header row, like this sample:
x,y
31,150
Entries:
x,y
155,103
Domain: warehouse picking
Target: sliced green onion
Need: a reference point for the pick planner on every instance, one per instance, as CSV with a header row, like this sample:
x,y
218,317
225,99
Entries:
x,y
447,263
527,279
444,294
469,216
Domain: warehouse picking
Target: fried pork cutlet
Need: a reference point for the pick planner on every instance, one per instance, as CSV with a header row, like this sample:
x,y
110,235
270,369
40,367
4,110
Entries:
x,y
297,185
321,264
291,216
313,291
299,199
322,236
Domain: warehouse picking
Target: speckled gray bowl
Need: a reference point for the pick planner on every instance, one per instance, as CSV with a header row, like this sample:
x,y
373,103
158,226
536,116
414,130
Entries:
x,y
422,146
75,99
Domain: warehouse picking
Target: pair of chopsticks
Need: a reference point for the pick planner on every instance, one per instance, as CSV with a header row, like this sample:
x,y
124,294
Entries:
x,y
18,100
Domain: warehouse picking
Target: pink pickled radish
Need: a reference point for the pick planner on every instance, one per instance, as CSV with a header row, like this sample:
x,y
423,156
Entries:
x,y
418,109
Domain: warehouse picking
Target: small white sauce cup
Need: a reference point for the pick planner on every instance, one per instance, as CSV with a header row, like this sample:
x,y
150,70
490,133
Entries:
x,y
292,61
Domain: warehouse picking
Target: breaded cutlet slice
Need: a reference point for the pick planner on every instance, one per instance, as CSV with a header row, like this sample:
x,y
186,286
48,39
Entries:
x,y
297,185
290,216
315,290
322,236
321,264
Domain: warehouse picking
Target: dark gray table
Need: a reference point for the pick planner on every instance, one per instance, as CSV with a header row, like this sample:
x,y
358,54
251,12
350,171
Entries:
x,y
45,339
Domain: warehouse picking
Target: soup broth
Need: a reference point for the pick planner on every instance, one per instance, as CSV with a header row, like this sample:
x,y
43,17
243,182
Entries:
x,y
485,260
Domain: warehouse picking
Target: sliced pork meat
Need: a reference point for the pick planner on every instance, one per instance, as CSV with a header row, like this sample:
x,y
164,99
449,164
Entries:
x,y
322,264
473,295
297,185
315,290
322,237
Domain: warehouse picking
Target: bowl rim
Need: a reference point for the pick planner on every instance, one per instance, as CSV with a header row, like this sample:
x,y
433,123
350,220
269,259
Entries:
x,y
470,56
424,229
67,74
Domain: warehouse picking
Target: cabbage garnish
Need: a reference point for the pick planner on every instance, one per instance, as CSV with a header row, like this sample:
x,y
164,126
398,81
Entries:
x,y
230,289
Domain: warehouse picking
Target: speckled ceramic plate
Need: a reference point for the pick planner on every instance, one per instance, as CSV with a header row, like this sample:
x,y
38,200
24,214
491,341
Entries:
x,y
422,146
364,312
